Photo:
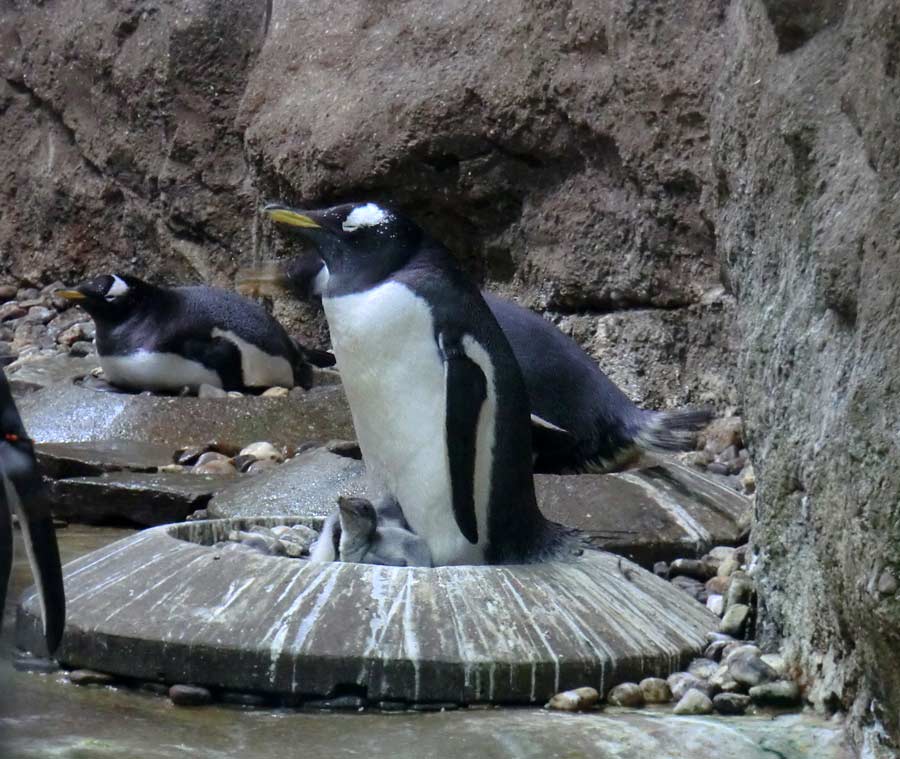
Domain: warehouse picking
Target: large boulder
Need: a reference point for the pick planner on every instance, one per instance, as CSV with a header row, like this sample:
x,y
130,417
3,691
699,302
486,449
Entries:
x,y
561,151
807,150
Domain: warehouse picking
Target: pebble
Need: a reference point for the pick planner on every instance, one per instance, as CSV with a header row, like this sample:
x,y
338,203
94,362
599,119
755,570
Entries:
x,y
11,310
34,664
716,604
717,468
264,543
275,392
234,394
81,348
661,569
723,681
721,434
216,466
750,670
694,702
209,391
574,700
748,480
258,467
90,677
190,695
887,583
172,468
242,463
779,693
731,703
720,553
735,620
262,451
728,567
71,334
714,650
392,706
694,588
626,694
208,456
776,662
655,690
703,668
737,649
695,568
38,315
190,455
681,682
740,590
7,292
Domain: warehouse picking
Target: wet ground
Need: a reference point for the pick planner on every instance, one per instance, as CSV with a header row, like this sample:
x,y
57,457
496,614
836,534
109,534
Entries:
x,y
45,716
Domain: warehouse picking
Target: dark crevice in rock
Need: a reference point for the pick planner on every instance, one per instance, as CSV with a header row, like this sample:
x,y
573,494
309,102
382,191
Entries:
x,y
796,22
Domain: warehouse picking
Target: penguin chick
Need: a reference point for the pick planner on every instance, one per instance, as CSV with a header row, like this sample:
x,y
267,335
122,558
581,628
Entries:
x,y
361,532
366,541
22,490
160,338
582,422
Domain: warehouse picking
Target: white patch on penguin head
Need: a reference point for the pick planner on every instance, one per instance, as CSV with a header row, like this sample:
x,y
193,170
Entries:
x,y
369,215
117,288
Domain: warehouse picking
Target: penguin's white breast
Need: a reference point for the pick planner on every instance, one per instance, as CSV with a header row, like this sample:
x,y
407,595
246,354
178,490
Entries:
x,y
393,374
148,370
258,368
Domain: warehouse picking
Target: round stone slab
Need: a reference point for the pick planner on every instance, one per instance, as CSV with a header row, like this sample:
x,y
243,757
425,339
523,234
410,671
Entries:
x,y
166,605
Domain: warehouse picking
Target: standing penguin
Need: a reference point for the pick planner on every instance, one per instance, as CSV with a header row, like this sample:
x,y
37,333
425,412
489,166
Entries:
x,y
160,338
595,426
438,402
22,490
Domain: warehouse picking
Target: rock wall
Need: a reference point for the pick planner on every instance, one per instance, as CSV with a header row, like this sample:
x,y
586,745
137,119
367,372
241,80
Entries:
x,y
807,170
559,148
628,168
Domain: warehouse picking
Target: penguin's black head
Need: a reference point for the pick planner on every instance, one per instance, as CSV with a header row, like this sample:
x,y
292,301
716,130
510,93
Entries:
x,y
111,297
361,243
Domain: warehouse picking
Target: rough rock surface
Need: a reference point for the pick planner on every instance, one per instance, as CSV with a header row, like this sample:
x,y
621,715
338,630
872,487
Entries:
x,y
807,152
560,150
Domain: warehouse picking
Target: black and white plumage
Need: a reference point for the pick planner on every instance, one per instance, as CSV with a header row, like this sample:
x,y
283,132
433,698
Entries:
x,y
22,491
439,405
593,425
160,338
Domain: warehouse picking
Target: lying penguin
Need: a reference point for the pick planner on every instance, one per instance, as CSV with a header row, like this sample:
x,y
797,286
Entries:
x,y
163,339
593,426
438,401
363,533
22,490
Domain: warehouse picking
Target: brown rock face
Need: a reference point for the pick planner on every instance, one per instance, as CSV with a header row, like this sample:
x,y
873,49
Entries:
x,y
807,150
560,149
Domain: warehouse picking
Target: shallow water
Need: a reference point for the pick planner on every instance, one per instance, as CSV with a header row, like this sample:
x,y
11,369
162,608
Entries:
x,y
45,716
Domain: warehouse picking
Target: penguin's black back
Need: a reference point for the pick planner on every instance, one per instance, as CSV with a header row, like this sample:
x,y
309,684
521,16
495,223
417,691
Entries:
x,y
568,389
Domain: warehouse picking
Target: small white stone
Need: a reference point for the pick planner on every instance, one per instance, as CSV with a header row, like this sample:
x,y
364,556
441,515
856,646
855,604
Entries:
x,y
262,451
574,700
716,604
694,702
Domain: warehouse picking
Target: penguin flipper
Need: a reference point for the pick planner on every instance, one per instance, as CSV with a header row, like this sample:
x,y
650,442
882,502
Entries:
x,y
216,353
466,388
31,505
6,548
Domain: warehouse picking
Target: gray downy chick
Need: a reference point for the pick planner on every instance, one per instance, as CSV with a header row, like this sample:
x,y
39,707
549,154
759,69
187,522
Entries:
x,y
362,533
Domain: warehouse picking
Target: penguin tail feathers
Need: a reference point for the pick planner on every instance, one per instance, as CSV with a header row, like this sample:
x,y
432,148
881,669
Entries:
x,y
672,430
315,356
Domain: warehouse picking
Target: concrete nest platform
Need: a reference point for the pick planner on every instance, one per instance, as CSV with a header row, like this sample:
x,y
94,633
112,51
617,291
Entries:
x,y
165,605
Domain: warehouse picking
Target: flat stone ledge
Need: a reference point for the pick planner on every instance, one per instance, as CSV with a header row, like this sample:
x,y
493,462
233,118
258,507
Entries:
x,y
69,413
164,605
